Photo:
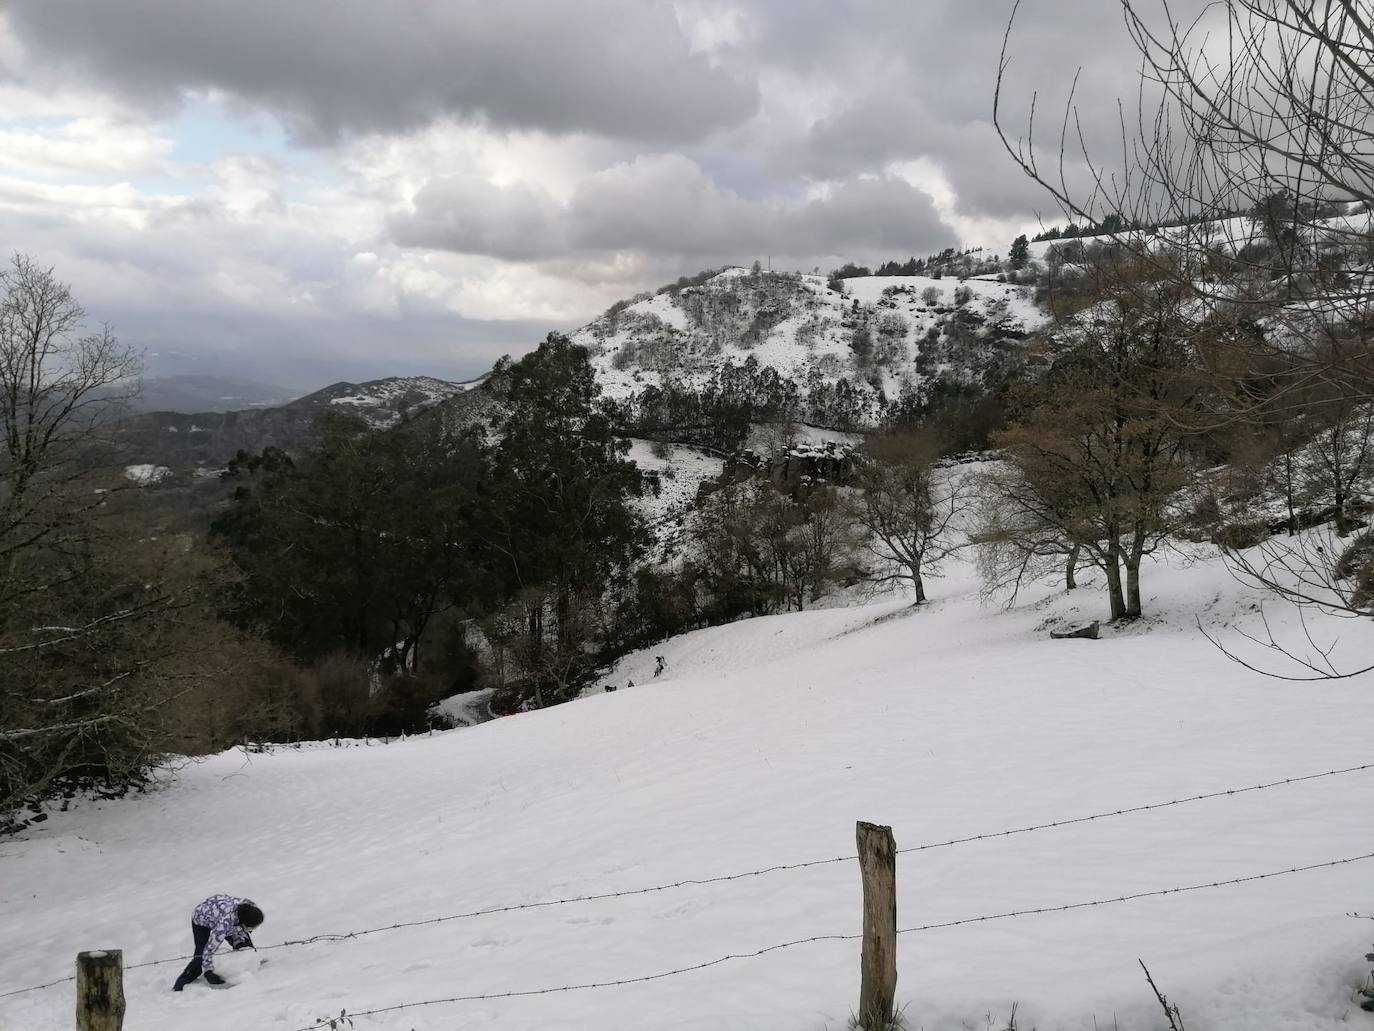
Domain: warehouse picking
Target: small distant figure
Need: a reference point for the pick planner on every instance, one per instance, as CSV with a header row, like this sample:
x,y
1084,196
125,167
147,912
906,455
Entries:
x,y
629,683
610,688
525,705
659,668
219,919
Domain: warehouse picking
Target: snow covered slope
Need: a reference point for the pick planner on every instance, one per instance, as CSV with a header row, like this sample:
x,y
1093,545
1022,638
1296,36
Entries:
x,y
382,402
885,335
760,744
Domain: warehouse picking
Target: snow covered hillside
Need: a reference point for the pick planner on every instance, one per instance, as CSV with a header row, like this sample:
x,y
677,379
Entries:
x,y
381,403
760,744
884,337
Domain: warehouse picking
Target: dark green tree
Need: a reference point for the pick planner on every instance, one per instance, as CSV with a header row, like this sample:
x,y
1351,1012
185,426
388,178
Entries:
x,y
558,514
355,546
1020,252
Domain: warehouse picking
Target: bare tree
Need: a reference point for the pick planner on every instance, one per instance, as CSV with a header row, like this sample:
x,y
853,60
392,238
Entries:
x,y
908,509
1019,542
57,383
1248,162
91,614
1097,448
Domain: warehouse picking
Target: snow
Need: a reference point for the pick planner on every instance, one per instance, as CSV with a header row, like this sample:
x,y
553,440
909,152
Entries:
x,y
681,471
466,709
809,329
379,402
764,438
760,744
146,475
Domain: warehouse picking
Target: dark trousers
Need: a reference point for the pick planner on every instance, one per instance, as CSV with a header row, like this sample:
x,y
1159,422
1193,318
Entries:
x,y
200,935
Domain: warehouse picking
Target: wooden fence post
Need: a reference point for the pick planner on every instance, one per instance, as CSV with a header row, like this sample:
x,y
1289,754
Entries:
x,y
878,984
100,991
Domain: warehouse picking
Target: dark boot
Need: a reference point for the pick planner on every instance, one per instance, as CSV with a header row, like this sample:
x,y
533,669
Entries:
x,y
199,936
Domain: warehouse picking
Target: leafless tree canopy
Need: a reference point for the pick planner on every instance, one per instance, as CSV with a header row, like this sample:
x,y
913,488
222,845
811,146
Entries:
x,y
89,648
1246,172
908,510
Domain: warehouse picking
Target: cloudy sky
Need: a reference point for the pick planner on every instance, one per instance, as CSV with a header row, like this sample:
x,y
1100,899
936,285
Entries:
x,y
313,190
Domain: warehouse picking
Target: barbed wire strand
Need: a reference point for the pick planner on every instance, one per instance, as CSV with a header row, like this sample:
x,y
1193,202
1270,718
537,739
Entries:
x,y
332,1022
1226,793
743,875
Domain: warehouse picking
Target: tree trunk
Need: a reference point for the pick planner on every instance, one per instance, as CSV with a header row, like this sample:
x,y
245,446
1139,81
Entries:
x,y
1288,493
919,585
1133,587
1133,557
1070,566
1112,568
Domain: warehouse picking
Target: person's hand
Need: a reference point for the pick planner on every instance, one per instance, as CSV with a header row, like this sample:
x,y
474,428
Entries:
x,y
241,940
214,978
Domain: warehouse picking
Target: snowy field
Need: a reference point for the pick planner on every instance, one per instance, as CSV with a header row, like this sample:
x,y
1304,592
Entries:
x,y
760,744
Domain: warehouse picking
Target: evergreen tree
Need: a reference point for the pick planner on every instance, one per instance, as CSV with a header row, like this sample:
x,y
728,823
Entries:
x,y
1020,252
357,545
558,515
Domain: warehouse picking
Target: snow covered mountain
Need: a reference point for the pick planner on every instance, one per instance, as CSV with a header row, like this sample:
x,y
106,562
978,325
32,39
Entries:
x,y
382,403
176,438
806,351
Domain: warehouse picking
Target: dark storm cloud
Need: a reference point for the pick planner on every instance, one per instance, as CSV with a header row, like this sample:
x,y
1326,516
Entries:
x,y
667,205
918,81
620,68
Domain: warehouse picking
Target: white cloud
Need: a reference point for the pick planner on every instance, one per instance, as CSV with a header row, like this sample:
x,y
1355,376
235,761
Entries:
x,y
89,146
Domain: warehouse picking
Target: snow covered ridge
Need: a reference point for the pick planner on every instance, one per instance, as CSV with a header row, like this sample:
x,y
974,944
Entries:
x,y
384,402
845,355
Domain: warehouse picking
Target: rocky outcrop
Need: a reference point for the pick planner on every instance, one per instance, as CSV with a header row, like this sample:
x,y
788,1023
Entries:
x,y
794,472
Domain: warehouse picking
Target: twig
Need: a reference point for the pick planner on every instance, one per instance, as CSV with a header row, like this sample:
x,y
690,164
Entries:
x,y
1171,1012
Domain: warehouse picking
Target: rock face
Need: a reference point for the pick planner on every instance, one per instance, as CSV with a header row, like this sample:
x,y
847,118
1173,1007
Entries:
x,y
1089,631
794,472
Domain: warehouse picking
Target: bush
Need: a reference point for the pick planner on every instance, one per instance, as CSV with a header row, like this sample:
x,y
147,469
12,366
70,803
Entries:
x,y
1239,536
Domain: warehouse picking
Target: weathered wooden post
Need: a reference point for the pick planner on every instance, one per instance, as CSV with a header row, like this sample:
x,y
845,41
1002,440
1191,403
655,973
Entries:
x,y
878,984
100,990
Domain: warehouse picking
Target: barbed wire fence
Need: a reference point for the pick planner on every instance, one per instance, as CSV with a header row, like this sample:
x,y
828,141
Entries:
x,y
780,868
327,1022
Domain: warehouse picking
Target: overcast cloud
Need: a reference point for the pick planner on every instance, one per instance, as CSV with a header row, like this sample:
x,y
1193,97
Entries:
x,y
329,189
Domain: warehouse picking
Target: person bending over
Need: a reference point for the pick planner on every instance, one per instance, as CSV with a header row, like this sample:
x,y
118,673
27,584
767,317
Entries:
x,y
218,919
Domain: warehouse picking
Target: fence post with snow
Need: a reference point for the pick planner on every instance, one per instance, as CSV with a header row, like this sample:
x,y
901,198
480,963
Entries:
x,y
100,990
878,983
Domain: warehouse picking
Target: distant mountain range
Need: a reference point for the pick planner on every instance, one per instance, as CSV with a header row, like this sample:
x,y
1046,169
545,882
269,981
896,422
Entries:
x,y
213,436
207,394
